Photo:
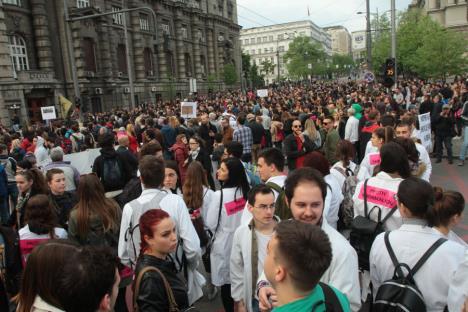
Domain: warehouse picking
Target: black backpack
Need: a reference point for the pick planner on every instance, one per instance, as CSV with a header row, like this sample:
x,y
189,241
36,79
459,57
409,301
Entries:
x,y
364,231
401,292
112,176
10,261
281,208
332,303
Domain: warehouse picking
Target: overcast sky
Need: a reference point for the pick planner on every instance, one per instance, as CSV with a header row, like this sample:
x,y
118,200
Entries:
x,y
256,13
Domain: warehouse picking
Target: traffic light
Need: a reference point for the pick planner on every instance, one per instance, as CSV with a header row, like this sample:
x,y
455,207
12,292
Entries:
x,y
389,74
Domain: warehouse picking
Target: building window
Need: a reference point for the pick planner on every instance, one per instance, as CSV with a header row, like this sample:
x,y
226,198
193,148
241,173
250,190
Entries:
x,y
117,18
12,2
89,53
165,29
271,49
253,52
259,51
18,53
265,39
259,40
148,61
265,50
122,59
188,65
280,37
82,4
281,48
252,40
183,32
144,22
270,38
201,37
246,41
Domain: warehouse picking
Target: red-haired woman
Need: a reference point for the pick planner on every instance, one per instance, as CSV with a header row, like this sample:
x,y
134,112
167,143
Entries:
x,y
158,240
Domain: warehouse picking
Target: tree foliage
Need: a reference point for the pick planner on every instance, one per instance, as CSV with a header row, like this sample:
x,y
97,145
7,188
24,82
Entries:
x,y
250,72
424,47
229,74
268,67
302,52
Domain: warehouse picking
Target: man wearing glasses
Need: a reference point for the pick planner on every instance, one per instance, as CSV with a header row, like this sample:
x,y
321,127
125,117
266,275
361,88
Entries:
x,y
296,146
331,140
249,247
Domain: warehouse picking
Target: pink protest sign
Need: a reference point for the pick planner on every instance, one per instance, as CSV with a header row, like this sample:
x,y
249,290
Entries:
x,y
27,245
234,206
374,159
379,196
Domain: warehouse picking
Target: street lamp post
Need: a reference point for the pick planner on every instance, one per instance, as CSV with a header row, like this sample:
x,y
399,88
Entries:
x,y
70,48
393,20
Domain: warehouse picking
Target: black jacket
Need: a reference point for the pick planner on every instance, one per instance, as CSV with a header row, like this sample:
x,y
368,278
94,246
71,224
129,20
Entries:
x,y
111,153
152,295
291,152
257,131
205,160
130,158
204,133
62,205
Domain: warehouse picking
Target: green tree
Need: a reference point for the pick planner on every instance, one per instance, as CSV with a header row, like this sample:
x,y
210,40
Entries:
x,y
268,67
302,52
342,64
229,74
246,65
256,79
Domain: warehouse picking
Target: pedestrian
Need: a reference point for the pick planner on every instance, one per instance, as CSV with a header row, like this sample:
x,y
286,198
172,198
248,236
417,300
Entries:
x,y
243,135
296,146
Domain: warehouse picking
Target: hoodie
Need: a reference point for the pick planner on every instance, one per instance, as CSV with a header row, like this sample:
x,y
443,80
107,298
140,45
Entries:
x,y
40,152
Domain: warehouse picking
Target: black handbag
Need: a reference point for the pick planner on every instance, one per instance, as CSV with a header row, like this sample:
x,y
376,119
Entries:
x,y
206,256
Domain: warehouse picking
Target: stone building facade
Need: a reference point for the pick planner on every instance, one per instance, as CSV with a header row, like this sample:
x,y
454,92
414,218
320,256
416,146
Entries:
x,y
340,39
188,39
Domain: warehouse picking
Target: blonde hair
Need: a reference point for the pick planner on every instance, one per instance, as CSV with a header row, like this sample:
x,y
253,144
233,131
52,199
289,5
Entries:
x,y
310,129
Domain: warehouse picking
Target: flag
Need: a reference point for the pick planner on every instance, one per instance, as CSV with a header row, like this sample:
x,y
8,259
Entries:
x,y
66,105
308,11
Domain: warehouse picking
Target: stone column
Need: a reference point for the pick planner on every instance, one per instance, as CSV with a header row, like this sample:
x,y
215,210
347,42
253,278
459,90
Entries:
x,y
196,48
138,56
105,51
211,51
6,66
41,34
162,62
180,55
77,49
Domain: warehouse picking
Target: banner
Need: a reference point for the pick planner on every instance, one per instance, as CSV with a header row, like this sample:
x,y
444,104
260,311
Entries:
x,y
48,112
425,130
262,93
66,105
83,161
188,109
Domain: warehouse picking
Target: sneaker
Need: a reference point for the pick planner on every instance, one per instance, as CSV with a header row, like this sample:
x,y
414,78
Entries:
x,y
461,163
438,161
212,291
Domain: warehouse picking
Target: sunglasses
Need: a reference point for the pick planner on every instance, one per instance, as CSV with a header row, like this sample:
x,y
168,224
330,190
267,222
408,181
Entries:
x,y
297,126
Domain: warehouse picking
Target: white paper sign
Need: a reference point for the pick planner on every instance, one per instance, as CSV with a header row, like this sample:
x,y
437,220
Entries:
x,y
262,93
425,130
188,109
48,112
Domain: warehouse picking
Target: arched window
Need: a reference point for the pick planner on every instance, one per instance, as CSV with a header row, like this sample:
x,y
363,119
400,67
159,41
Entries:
x,y
18,52
122,59
148,62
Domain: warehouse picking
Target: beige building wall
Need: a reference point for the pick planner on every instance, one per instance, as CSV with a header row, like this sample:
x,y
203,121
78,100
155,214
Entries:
x,y
340,39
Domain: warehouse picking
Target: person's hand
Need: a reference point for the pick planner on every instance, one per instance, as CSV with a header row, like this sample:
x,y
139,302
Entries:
x,y
267,298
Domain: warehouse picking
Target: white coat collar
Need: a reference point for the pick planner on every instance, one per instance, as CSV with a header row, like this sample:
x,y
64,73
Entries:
x,y
41,305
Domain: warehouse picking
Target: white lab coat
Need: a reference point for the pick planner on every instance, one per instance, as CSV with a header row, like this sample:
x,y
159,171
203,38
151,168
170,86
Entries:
x,y
333,200
241,266
370,148
352,129
458,291
246,214
343,272
338,175
425,159
366,170
452,236
222,245
409,243
175,206
385,182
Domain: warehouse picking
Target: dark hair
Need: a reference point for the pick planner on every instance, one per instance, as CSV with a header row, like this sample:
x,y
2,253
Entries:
x,y
152,171
147,222
404,123
394,159
410,148
241,118
447,204
150,148
345,152
387,120
273,156
199,140
258,189
43,272
387,134
237,176
40,216
25,164
417,195
51,172
172,164
301,175
39,185
305,250
88,276
317,161
106,140
234,148
192,190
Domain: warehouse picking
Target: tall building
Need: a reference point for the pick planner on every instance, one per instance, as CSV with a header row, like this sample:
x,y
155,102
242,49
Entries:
x,y
188,39
272,42
358,45
451,14
340,39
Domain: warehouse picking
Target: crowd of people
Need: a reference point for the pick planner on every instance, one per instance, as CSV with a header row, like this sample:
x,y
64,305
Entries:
x,y
317,197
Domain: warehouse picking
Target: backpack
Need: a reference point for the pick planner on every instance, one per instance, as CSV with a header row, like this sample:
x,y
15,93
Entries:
x,y
364,231
112,176
132,190
346,210
132,235
281,209
10,261
401,293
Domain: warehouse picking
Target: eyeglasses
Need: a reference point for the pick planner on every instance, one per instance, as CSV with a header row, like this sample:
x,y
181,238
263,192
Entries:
x,y
297,126
325,123
193,143
265,207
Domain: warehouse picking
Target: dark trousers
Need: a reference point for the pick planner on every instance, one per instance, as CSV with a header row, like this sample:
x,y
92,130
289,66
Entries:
x,y
447,141
13,193
228,302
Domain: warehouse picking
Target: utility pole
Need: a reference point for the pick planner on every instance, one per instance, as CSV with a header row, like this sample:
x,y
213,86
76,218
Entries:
x,y
278,59
393,21
129,60
369,37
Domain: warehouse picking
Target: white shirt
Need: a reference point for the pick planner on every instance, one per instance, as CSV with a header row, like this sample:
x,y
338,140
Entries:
x,y
381,193
336,197
352,129
458,291
338,175
25,233
425,159
452,236
370,148
368,163
409,243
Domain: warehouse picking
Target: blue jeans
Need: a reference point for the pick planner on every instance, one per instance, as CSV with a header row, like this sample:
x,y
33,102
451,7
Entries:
x,y
255,307
13,193
464,147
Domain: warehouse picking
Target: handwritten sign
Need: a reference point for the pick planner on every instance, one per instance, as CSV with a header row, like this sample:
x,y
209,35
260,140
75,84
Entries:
x,y
374,159
425,130
48,112
262,93
234,206
379,196
188,109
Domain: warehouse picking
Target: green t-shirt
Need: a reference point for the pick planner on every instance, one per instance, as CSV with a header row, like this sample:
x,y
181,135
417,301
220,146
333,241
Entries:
x,y
314,299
